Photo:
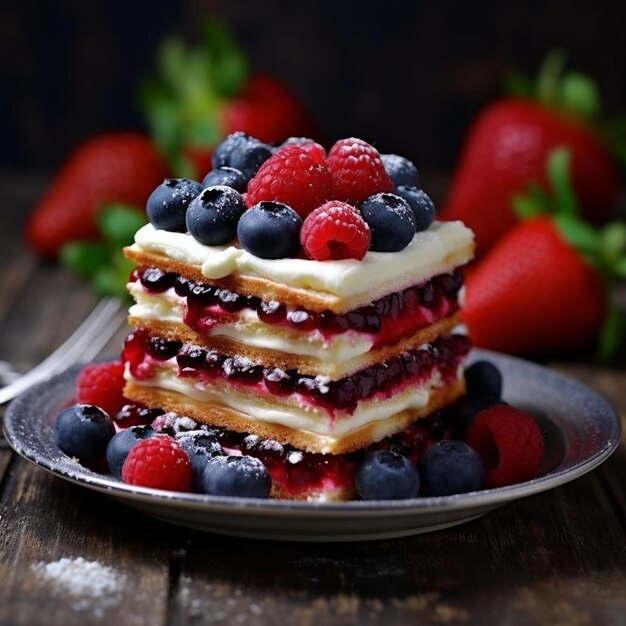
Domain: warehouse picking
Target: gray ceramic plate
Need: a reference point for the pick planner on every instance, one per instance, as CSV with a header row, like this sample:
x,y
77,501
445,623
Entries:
x,y
581,430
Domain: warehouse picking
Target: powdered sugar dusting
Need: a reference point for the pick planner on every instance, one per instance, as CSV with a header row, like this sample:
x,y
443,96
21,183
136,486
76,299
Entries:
x,y
92,586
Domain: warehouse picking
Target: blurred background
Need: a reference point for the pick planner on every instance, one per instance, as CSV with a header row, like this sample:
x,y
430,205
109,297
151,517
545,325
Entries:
x,y
409,75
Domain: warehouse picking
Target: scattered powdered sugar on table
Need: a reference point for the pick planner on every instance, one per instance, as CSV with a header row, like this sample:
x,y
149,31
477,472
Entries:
x,y
91,585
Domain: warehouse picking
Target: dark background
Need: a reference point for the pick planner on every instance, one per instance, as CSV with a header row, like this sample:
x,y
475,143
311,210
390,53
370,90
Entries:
x,y
408,76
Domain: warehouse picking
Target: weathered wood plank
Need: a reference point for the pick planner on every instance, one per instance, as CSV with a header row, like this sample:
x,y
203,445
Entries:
x,y
554,558
43,520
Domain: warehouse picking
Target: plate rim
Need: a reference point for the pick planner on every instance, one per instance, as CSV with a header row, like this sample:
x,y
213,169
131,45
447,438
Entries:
x,y
411,506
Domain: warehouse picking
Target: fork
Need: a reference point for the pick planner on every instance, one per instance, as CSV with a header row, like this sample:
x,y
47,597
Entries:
x,y
82,346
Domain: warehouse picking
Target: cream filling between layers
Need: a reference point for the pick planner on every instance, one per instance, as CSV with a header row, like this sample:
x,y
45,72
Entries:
x,y
304,418
250,331
443,246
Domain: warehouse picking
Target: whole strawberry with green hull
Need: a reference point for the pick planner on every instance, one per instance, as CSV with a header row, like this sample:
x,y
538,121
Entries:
x,y
545,286
203,94
508,144
113,167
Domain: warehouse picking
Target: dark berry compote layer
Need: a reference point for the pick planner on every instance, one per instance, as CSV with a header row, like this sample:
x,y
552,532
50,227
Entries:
x,y
300,472
387,319
143,354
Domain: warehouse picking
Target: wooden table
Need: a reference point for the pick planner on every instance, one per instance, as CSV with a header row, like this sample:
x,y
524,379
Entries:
x,y
558,558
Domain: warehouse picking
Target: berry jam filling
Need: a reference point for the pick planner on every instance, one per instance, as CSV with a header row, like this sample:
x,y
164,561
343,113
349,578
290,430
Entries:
x,y
298,471
388,319
444,355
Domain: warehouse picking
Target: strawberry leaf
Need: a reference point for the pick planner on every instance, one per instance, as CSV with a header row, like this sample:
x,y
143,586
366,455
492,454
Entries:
x,y
579,96
612,330
229,64
549,76
527,207
565,202
83,257
582,236
119,222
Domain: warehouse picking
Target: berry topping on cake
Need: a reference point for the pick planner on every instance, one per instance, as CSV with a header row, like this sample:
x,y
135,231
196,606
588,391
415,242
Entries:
x,y
156,280
122,443
133,414
391,221
400,170
226,177
213,216
102,384
385,475
451,467
423,207
158,462
357,171
293,176
242,476
83,431
510,443
483,378
335,230
168,203
270,230
242,152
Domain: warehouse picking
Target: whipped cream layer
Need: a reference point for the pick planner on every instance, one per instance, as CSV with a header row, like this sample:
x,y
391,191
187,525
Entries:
x,y
305,418
443,246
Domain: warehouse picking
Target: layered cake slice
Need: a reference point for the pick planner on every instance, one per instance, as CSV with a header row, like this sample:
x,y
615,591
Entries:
x,y
301,342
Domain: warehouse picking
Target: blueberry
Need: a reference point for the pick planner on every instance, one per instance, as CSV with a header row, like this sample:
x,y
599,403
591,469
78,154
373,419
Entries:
x,y
212,217
270,230
122,443
200,446
400,170
242,152
483,379
227,177
168,203
384,475
391,221
451,467
242,476
423,207
83,431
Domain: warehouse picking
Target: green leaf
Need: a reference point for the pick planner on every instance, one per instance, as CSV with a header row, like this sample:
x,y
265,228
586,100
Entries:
x,y
83,257
201,132
119,223
612,245
612,331
526,207
582,236
619,268
549,76
229,64
107,281
579,96
162,112
565,200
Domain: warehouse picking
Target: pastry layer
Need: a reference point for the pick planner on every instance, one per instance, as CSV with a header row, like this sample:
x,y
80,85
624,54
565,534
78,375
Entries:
x,y
338,286
381,419
311,365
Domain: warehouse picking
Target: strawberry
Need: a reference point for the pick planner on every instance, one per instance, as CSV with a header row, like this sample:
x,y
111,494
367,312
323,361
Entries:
x,y
542,287
206,93
122,167
507,147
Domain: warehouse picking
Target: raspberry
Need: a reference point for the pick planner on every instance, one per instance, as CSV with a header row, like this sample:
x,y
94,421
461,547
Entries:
x,y
510,443
357,171
158,462
335,231
292,176
102,384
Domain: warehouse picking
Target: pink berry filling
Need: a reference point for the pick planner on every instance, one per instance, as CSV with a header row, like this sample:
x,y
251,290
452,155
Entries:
x,y
143,352
387,319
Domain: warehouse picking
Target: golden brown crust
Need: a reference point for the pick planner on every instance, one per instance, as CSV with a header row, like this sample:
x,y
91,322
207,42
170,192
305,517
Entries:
x,y
269,290
304,364
218,415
